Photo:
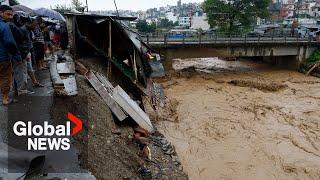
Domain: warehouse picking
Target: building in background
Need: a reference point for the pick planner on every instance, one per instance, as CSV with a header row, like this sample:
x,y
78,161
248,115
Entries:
x,y
200,22
185,21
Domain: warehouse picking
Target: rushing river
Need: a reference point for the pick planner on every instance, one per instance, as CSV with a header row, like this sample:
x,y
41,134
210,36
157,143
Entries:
x,y
244,120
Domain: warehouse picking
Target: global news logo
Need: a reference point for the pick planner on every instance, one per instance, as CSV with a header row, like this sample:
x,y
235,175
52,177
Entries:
x,y
48,137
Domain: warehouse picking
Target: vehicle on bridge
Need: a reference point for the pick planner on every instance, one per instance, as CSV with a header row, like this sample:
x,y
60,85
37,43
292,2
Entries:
x,y
181,33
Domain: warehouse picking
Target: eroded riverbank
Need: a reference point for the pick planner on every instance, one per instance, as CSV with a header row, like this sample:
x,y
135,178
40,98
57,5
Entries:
x,y
245,121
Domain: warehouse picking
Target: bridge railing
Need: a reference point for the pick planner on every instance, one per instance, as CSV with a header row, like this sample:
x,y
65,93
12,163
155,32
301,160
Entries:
x,y
222,38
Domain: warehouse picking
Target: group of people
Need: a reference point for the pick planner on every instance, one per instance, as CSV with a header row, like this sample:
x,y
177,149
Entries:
x,y
23,43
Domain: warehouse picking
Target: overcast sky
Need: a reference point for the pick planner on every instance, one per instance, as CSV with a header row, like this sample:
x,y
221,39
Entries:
x,y
107,4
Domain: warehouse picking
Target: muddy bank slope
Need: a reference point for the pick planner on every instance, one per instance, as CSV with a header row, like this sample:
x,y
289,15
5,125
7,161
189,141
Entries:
x,y
108,150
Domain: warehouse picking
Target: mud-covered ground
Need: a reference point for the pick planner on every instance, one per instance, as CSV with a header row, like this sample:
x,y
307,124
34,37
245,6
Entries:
x,y
107,148
243,120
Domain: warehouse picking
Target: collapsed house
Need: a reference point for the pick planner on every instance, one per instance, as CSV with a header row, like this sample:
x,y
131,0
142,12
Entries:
x,y
108,36
130,63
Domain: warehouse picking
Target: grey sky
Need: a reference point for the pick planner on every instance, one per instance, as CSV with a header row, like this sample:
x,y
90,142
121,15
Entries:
x,y
107,4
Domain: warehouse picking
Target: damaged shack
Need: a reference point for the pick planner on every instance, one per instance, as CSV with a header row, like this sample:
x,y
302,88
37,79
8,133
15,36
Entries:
x,y
127,56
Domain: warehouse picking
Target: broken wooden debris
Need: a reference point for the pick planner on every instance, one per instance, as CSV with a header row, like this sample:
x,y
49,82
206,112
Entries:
x,y
132,108
105,82
81,69
103,92
313,68
66,68
63,76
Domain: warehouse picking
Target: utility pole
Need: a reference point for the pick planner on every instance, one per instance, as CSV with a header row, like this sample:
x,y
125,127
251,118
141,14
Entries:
x,y
87,6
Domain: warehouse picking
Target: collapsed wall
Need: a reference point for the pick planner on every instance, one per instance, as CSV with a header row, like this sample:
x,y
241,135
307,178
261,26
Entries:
x,y
117,149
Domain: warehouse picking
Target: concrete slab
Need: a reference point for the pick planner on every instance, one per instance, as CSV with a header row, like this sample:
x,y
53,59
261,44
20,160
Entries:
x,y
132,108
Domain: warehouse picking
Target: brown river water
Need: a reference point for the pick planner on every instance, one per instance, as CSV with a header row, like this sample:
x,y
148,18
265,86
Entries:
x,y
244,120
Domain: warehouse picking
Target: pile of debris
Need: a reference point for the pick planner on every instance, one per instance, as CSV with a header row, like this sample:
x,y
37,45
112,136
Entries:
x,y
145,135
62,69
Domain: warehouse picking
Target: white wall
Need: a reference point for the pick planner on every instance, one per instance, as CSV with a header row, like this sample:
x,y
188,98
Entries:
x,y
171,17
184,21
198,22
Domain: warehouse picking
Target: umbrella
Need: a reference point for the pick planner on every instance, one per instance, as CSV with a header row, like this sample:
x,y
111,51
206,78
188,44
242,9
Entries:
x,y
21,13
49,13
22,8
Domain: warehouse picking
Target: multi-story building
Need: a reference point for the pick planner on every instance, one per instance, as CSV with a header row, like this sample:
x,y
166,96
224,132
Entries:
x,y
185,21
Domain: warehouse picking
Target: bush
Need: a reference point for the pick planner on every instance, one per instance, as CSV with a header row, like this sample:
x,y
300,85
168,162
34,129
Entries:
x,y
315,57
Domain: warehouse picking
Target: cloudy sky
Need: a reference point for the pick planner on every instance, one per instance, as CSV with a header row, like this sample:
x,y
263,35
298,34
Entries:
x,y
107,4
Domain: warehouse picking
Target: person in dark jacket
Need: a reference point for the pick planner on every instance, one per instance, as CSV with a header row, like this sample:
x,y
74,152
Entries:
x,y
28,47
20,75
8,53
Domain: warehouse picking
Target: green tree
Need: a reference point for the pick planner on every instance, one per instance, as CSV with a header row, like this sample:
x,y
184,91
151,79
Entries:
x,y
165,23
144,27
230,16
77,5
13,2
62,9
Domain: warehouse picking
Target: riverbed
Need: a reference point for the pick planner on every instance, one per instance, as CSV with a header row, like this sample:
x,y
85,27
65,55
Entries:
x,y
244,120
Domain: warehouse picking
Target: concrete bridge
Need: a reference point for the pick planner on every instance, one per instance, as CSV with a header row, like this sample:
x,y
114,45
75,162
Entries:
x,y
289,51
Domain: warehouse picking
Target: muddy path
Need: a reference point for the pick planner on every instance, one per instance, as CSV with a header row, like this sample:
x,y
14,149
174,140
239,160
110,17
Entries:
x,y
249,121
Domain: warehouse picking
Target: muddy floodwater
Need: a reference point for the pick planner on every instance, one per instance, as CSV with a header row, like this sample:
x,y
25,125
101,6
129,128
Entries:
x,y
244,120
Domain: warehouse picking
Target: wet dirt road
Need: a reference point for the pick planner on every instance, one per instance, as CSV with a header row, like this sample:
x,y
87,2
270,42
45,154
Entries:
x,y
244,121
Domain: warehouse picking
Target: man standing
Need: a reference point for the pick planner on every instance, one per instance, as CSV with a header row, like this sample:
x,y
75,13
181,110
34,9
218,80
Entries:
x,y
38,44
27,47
8,49
19,69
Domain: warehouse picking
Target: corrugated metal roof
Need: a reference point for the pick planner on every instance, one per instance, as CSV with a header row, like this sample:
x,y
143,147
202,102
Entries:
x,y
98,16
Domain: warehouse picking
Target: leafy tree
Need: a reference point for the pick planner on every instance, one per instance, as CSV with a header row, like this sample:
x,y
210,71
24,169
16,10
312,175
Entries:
x,y
62,9
144,27
231,15
165,23
77,5
13,2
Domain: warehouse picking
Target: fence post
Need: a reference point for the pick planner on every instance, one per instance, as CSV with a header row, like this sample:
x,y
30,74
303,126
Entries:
x,y
183,39
245,39
148,39
165,39
216,38
259,38
200,38
285,38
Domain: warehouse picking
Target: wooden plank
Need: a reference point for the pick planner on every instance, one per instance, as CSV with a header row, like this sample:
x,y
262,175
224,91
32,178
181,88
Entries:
x,y
132,108
102,91
105,82
66,68
70,86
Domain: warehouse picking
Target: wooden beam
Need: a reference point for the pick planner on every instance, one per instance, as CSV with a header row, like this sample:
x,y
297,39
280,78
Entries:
x,y
110,49
107,98
135,66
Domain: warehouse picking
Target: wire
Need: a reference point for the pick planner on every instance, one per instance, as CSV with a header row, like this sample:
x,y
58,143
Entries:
x,y
115,4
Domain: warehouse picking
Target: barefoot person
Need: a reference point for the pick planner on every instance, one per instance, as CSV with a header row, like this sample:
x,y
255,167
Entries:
x,y
26,32
38,44
8,48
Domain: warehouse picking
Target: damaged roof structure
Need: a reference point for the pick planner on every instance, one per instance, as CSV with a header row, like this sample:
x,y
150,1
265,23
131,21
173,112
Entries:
x,y
123,48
